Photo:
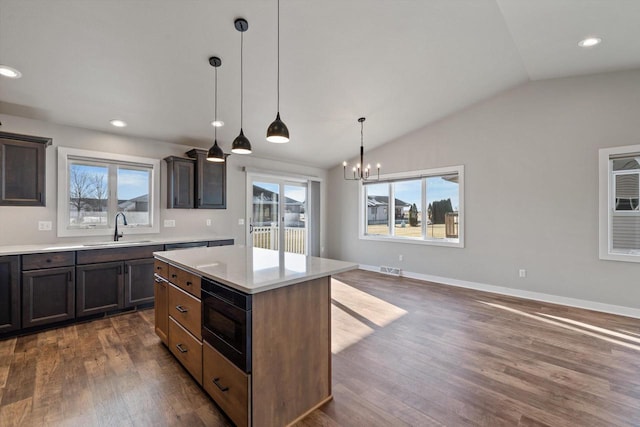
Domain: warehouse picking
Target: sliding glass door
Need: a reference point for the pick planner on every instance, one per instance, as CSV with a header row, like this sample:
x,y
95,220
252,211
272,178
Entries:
x,y
278,215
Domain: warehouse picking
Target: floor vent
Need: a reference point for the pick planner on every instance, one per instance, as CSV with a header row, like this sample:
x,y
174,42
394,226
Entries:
x,y
390,270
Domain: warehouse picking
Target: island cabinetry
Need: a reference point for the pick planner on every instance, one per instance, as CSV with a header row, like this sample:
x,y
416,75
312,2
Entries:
x,y
48,288
227,385
161,293
186,281
102,275
9,293
186,348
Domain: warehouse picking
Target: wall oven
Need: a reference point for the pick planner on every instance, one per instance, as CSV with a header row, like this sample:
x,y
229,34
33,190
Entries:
x,y
226,322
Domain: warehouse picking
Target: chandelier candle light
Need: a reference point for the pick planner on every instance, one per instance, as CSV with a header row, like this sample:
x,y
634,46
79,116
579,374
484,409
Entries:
x,y
215,153
360,173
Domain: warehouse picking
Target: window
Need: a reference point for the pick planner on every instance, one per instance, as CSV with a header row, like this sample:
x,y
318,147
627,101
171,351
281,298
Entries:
x,y
619,203
94,186
416,207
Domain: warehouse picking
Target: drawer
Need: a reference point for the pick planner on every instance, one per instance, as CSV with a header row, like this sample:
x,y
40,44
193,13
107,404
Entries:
x,y
226,242
124,253
185,280
186,348
51,259
161,268
186,310
226,384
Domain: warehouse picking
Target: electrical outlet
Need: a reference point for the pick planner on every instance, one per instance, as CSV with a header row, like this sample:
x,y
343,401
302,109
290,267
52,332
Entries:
x,y
400,257
208,222
44,225
169,222
241,221
522,272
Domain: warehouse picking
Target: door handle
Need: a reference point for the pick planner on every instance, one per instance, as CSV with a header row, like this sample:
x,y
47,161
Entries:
x,y
250,228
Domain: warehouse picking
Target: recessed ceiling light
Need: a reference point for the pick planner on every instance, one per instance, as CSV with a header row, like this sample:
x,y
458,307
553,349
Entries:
x,y
118,123
10,72
217,123
590,42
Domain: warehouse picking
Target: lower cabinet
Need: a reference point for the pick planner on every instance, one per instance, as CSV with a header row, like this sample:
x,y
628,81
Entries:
x,y
48,296
138,286
9,293
186,348
227,385
100,288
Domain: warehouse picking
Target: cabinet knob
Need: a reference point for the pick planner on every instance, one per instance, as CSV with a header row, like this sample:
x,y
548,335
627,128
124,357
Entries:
x,y
189,283
48,260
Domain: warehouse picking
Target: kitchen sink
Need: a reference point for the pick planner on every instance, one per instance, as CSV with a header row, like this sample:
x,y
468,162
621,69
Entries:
x,y
119,243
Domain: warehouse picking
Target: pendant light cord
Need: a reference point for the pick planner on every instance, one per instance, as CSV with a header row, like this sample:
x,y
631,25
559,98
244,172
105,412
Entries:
x,y
278,97
241,79
215,106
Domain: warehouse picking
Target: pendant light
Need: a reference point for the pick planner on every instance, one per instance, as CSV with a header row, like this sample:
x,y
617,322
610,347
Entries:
x,y
215,153
277,131
241,144
360,173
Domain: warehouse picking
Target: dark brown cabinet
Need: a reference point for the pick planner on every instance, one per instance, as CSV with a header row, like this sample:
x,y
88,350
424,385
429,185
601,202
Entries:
x,y
99,288
138,282
22,169
9,293
210,181
48,296
180,182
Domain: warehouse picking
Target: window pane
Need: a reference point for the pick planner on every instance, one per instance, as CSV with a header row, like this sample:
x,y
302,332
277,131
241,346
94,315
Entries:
x,y
442,206
377,196
295,197
133,194
88,194
627,191
266,199
408,208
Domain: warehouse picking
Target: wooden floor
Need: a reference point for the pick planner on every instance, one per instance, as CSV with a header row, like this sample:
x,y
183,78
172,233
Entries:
x,y
405,353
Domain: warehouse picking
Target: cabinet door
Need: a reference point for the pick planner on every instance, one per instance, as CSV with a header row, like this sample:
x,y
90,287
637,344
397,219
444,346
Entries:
x,y
162,309
9,293
211,185
48,296
99,288
22,170
138,283
180,182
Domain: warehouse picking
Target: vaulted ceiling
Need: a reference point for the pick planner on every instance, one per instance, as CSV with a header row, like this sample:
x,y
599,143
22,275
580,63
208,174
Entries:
x,y
401,63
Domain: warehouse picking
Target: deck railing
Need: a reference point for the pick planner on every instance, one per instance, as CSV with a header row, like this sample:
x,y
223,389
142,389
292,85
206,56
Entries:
x,y
268,238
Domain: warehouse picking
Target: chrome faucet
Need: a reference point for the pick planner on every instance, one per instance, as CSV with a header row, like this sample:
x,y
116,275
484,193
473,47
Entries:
x,y
116,235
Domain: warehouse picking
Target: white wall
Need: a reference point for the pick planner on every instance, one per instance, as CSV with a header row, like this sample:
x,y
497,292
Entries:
x,y
531,189
19,225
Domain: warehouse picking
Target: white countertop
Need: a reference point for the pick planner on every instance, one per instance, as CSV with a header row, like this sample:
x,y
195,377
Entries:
x,y
83,246
253,270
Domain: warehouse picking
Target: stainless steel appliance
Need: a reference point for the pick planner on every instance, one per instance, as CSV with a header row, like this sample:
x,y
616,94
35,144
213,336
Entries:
x,y
226,322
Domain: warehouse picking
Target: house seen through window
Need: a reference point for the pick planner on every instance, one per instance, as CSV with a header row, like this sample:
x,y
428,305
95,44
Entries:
x,y
420,206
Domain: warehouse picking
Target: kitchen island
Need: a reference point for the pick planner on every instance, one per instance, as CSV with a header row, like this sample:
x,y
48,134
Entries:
x,y
252,326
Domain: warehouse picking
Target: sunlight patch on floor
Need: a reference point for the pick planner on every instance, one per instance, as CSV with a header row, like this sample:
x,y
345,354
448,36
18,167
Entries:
x,y
594,328
346,330
377,311
356,314
540,317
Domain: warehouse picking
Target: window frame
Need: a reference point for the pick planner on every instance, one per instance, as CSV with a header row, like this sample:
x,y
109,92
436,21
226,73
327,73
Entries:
x,y
68,155
607,211
407,176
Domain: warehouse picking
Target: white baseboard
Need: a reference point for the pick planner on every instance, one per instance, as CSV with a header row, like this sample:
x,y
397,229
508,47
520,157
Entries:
x,y
536,296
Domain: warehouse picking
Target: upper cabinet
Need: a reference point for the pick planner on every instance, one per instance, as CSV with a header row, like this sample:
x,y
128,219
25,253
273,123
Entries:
x,y
180,182
22,169
196,182
210,181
